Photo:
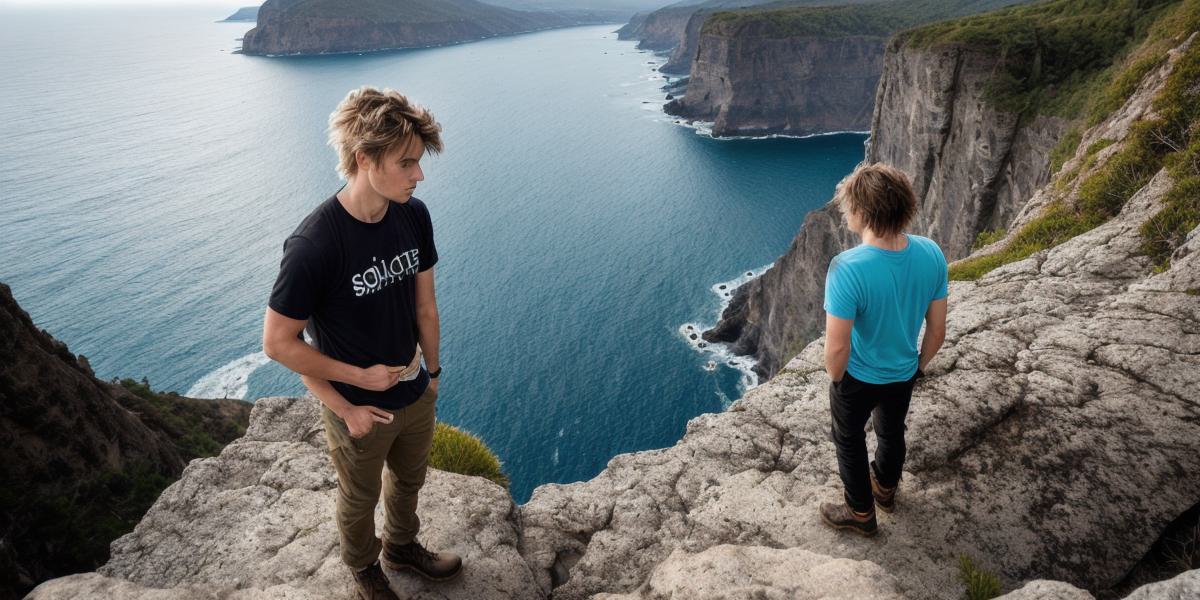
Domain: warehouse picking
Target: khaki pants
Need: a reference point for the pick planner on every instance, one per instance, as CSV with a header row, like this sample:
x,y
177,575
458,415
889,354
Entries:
x,y
403,445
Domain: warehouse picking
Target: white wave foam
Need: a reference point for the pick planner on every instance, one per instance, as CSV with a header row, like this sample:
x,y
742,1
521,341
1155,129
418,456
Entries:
x,y
229,381
704,128
716,354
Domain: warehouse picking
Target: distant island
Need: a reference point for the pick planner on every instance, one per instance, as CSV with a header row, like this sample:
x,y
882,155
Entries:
x,y
301,27
245,13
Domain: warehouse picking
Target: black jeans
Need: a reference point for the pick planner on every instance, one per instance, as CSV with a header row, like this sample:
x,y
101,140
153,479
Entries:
x,y
851,402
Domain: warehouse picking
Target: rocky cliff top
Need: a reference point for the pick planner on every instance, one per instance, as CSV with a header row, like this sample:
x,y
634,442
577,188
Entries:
x,y
1054,438
1049,441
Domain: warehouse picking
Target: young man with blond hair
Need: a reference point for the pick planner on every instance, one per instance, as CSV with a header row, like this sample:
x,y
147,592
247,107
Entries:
x,y
877,294
357,276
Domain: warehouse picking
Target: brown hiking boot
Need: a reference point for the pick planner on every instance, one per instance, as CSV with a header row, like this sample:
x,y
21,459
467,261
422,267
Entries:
x,y
885,498
435,566
840,516
372,584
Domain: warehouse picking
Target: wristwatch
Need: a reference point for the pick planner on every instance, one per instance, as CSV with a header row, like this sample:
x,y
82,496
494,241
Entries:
x,y
435,374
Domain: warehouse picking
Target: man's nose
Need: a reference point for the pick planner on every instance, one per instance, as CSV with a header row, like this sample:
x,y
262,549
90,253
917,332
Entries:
x,y
420,175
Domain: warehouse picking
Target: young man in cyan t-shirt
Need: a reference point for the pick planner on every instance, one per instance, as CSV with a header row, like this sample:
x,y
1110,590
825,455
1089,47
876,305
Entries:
x,y
877,294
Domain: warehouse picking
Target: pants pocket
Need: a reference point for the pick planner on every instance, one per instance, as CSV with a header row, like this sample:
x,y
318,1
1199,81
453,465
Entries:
x,y
337,433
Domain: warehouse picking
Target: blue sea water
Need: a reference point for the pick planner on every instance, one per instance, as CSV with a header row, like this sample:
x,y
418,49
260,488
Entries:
x,y
150,175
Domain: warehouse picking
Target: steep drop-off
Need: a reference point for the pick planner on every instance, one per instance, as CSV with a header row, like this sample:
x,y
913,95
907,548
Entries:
x,y
796,70
975,141
83,457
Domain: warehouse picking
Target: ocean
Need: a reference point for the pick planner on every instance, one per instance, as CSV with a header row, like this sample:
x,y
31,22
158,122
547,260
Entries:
x,y
150,175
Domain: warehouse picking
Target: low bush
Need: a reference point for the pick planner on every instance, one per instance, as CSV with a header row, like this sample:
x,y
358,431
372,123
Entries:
x,y
461,452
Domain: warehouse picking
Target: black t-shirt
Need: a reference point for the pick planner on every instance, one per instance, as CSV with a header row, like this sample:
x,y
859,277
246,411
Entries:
x,y
356,284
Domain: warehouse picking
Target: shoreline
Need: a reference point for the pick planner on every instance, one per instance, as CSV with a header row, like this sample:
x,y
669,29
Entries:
x,y
719,354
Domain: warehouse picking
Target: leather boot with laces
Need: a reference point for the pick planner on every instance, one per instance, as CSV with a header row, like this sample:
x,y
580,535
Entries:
x,y
436,566
885,498
841,516
372,584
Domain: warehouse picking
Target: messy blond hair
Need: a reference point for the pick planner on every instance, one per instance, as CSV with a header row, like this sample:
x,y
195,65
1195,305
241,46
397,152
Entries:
x,y
881,195
375,122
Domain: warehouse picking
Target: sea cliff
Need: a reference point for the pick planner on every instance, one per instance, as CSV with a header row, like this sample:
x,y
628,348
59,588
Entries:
x,y
289,27
795,69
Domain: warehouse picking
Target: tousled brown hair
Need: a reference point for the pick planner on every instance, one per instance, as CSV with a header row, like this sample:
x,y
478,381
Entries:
x,y
881,195
375,122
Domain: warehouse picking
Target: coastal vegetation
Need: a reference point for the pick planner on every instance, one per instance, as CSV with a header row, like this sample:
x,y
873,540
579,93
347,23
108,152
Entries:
x,y
462,452
1167,139
67,528
1055,56
198,428
875,19
979,583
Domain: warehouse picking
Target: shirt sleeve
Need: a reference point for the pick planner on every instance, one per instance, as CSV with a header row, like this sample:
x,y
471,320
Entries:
x,y
840,293
302,277
943,287
428,249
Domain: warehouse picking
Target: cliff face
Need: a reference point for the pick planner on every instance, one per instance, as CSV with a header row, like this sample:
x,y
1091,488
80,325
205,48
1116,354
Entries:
x,y
680,62
290,27
748,84
972,166
794,68
658,30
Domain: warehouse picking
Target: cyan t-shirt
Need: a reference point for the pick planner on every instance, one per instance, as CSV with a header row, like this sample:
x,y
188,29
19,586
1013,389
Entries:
x,y
886,293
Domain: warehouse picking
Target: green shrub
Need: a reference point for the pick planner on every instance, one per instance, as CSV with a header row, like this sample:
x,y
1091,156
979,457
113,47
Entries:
x,y
858,17
1055,226
197,427
461,452
1178,133
979,583
1123,86
987,238
1168,140
1065,149
1057,57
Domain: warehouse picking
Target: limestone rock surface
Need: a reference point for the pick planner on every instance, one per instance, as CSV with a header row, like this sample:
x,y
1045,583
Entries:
x,y
256,522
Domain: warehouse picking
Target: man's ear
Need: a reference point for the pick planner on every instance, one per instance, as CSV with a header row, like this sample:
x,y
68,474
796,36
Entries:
x,y
362,160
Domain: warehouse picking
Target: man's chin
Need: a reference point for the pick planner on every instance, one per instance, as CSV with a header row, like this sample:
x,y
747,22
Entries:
x,y
402,199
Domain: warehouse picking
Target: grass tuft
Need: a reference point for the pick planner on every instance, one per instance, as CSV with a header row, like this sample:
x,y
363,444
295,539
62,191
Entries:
x,y
987,238
461,452
980,584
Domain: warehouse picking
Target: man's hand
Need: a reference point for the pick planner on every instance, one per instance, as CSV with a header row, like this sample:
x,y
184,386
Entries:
x,y
360,419
378,378
433,385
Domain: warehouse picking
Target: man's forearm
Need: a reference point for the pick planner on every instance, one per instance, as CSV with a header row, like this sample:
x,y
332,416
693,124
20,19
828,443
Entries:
x,y
429,335
327,394
836,360
930,344
302,358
